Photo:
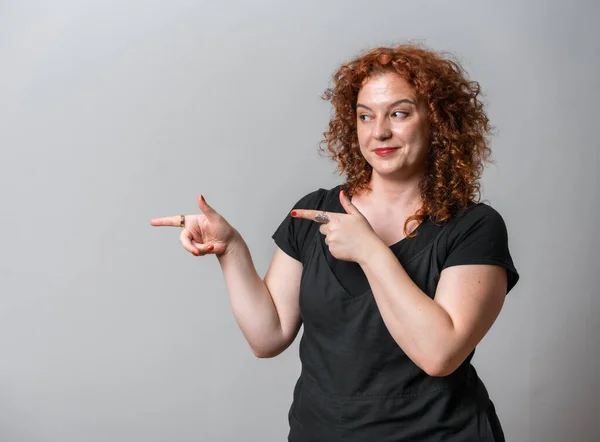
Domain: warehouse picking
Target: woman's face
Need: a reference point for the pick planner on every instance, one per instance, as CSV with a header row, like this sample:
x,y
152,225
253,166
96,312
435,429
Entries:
x,y
392,127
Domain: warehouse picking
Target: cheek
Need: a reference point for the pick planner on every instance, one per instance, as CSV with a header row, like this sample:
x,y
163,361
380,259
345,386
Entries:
x,y
413,134
363,137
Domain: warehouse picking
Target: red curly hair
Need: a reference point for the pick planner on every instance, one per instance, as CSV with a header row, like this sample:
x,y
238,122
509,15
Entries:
x,y
459,127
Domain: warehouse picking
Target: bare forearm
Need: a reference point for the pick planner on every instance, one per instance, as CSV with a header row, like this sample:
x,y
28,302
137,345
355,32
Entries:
x,y
420,326
251,301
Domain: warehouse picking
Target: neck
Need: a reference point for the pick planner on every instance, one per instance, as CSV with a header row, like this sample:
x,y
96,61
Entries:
x,y
388,193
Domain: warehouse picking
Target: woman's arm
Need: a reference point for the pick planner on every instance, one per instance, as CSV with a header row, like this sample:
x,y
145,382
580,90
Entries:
x,y
437,334
266,311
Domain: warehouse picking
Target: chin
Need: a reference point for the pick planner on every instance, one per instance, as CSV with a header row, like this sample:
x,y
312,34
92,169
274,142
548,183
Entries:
x,y
399,173
391,169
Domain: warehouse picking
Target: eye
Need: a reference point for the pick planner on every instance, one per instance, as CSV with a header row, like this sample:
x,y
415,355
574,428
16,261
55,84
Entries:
x,y
400,114
363,117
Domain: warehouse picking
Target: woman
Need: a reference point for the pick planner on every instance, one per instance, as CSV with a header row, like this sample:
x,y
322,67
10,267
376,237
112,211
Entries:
x,y
396,275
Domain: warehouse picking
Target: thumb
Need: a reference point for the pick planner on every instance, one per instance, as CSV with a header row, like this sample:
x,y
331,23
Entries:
x,y
208,211
347,204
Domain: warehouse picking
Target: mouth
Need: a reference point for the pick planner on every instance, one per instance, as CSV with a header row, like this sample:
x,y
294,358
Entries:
x,y
384,151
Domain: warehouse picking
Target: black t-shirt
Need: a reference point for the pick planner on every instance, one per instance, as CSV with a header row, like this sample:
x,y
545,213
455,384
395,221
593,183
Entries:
x,y
477,235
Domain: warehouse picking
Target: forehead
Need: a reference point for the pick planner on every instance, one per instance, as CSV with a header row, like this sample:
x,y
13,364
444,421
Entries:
x,y
385,88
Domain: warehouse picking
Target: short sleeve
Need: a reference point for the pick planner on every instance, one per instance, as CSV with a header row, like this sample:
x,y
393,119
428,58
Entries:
x,y
480,236
293,233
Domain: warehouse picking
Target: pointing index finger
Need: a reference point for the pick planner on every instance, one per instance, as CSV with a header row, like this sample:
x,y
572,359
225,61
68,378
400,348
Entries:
x,y
173,221
314,215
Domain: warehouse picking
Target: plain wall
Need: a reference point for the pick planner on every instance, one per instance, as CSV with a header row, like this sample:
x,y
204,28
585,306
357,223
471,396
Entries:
x,y
112,113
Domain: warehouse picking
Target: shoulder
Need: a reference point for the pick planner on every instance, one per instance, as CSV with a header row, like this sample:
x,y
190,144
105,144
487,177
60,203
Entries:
x,y
477,216
319,199
294,234
477,211
478,235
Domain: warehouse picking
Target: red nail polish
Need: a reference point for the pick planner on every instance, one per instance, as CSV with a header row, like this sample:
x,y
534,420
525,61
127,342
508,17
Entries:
x,y
294,213
211,248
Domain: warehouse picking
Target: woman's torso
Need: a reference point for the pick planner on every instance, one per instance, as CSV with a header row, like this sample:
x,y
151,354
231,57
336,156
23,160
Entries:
x,y
356,383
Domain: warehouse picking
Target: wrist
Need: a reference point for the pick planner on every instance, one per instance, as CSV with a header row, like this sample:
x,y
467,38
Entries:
x,y
233,244
372,246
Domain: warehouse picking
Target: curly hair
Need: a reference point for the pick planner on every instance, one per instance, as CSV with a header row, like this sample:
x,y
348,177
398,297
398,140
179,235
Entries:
x,y
459,127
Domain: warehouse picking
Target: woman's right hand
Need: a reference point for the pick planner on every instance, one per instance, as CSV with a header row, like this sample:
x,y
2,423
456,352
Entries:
x,y
202,234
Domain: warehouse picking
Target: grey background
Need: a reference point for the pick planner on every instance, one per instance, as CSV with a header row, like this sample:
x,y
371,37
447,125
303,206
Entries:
x,y
112,113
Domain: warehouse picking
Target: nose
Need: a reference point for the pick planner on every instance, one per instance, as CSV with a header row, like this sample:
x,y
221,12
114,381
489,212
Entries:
x,y
382,132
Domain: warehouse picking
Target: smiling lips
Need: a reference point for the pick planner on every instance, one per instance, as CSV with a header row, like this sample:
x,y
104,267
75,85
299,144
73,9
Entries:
x,y
385,151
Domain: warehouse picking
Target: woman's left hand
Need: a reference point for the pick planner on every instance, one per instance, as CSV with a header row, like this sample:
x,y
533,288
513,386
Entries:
x,y
349,236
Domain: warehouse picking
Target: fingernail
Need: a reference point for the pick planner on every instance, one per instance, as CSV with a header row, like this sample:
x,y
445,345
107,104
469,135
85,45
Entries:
x,y
211,248
202,198
294,213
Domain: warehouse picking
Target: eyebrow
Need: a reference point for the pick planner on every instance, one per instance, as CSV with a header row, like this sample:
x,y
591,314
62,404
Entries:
x,y
395,103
